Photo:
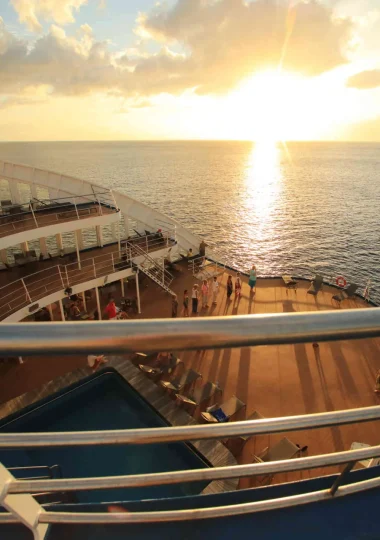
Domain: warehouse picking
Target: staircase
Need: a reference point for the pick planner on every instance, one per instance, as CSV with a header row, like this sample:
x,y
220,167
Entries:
x,y
151,267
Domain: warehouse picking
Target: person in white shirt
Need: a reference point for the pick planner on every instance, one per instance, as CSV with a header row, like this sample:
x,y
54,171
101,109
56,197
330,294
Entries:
x,y
215,290
194,299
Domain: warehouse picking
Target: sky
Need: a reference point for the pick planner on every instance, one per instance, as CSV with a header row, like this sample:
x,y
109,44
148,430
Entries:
x,y
189,69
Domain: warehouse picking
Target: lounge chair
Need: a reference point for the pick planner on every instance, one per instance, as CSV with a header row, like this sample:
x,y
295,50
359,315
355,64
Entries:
x,y
316,285
345,294
223,412
284,449
254,416
179,383
199,395
289,282
164,368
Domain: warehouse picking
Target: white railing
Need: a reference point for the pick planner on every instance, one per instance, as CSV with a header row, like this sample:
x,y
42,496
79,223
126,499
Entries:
x,y
16,495
43,213
33,287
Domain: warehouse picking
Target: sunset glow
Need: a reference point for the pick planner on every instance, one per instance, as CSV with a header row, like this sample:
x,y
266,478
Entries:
x,y
265,71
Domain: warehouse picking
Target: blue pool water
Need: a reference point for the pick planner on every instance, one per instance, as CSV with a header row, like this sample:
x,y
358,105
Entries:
x,y
104,401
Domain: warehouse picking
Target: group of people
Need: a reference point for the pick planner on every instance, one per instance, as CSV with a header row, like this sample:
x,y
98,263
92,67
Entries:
x,y
204,291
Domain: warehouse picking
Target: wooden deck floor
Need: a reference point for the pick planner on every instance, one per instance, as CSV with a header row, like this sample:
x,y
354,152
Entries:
x,y
274,380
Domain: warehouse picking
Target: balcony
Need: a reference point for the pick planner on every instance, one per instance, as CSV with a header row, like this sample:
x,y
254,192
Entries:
x,y
41,218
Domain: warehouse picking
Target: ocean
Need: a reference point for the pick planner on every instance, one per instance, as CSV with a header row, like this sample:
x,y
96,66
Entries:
x,y
303,208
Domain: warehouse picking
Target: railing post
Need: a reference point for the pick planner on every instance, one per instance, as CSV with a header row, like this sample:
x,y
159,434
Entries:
x,y
67,276
34,217
138,292
341,477
113,263
26,290
60,275
93,264
76,209
23,506
146,241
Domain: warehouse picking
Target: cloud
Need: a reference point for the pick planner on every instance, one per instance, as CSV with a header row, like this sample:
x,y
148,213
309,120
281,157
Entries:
x,y
365,80
221,43
60,11
226,40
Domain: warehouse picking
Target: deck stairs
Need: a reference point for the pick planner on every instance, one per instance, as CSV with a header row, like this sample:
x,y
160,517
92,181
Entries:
x,y
152,268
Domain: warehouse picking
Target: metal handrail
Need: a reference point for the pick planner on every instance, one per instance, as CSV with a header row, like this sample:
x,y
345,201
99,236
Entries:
x,y
190,334
194,475
188,433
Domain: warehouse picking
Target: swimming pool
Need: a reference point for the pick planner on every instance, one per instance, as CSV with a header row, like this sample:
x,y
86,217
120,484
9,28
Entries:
x,y
103,401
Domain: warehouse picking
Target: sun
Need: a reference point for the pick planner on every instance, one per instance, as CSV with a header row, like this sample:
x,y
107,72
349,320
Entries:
x,y
274,106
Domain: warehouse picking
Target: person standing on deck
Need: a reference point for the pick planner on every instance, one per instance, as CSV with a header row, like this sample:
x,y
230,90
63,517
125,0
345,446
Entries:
x,y
252,278
174,306
204,294
202,248
185,304
194,299
238,286
230,287
215,290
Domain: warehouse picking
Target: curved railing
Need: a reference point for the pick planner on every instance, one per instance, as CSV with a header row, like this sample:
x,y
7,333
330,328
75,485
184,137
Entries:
x,y
230,332
33,287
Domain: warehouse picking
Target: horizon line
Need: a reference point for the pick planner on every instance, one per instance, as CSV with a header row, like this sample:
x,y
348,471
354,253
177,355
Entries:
x,y
186,140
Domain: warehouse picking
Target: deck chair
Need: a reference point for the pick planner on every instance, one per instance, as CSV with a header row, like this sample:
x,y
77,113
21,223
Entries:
x,y
316,285
284,449
163,369
223,412
179,383
289,282
199,395
142,358
346,294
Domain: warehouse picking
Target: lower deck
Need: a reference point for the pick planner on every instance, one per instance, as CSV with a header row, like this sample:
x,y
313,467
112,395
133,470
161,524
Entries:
x,y
273,380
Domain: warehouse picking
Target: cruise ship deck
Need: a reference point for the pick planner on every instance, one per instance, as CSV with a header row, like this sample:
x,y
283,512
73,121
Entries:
x,y
276,381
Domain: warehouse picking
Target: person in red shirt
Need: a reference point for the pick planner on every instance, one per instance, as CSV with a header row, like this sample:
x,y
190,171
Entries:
x,y
111,310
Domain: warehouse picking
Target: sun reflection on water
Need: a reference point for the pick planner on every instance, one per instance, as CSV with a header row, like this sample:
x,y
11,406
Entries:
x,y
263,185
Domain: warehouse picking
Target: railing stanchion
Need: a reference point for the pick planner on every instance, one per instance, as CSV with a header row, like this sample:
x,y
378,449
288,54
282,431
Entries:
x,y
341,477
67,276
76,209
34,217
93,264
113,262
26,290
60,275
146,242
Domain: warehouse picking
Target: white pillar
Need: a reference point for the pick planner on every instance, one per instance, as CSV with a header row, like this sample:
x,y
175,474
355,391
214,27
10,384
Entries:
x,y
77,248
59,241
24,247
84,300
99,235
62,311
33,191
50,309
126,225
138,292
79,238
43,247
113,232
13,190
98,303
